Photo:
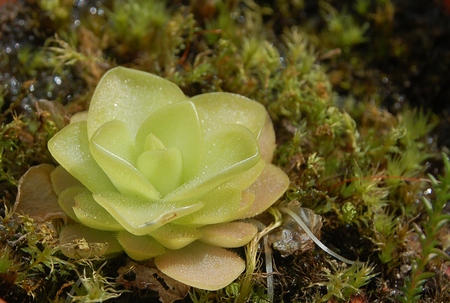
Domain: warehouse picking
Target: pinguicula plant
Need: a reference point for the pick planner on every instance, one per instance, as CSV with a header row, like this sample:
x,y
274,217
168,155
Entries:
x,y
160,175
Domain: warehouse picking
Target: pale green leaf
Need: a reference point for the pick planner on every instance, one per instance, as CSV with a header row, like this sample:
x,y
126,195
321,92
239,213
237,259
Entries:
x,y
202,266
126,178
70,147
152,142
61,180
268,188
139,216
66,200
177,126
266,140
246,178
91,214
222,204
218,109
130,96
229,235
140,247
175,236
229,151
162,168
115,137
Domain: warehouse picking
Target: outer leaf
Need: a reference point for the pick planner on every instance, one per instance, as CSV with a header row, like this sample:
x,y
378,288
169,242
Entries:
x,y
79,241
175,236
140,247
218,109
268,188
201,265
35,195
130,96
70,147
79,116
245,179
266,140
233,234
66,200
140,217
91,214
62,180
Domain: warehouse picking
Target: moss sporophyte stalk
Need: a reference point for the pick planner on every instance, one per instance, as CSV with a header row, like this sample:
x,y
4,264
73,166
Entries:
x,y
159,175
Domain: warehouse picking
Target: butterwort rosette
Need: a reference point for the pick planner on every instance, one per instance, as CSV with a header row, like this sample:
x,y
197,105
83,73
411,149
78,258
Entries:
x,y
152,172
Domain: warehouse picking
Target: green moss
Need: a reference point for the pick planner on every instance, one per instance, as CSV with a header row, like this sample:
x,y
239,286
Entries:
x,y
414,285
353,152
342,283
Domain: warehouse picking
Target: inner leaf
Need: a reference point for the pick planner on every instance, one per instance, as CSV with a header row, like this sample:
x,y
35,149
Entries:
x,y
176,126
229,151
162,167
126,178
152,142
221,205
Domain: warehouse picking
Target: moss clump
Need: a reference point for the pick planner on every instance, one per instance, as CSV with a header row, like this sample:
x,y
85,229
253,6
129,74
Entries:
x,y
341,81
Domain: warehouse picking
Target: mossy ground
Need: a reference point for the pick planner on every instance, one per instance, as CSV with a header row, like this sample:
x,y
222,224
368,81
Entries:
x,y
358,94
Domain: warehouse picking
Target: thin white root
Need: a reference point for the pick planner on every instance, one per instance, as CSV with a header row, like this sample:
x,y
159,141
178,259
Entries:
x,y
312,236
269,268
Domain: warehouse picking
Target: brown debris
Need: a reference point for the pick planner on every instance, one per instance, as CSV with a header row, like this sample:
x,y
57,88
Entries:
x,y
36,197
147,276
290,237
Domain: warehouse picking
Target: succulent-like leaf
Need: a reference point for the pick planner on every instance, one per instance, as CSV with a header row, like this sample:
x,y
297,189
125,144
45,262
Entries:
x,y
140,247
229,235
177,126
115,137
162,168
126,178
220,205
266,140
139,216
201,265
229,151
91,214
70,147
79,241
130,96
218,109
62,180
269,187
66,200
175,236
